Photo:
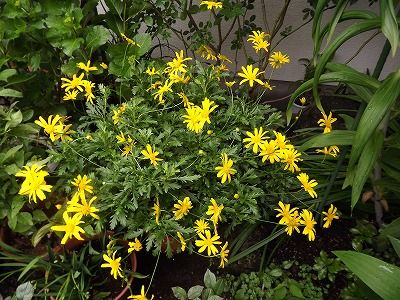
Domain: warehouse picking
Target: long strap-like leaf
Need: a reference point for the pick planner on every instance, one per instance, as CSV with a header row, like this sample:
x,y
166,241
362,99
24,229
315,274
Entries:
x,y
381,102
362,26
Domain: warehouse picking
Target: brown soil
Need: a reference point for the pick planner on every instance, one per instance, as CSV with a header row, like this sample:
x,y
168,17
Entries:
x,y
188,270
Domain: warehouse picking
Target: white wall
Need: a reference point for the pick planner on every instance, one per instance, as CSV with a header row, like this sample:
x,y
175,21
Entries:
x,y
299,45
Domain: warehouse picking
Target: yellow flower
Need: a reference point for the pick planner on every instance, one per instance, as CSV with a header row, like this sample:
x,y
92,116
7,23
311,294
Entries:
x,y
329,216
214,210
88,85
154,85
208,242
193,119
256,139
290,157
225,171
222,68
293,223
63,131
249,74
182,208
122,107
224,255
82,183
182,240
185,99
327,122
84,208
206,109
206,52
257,36
50,127
87,68
303,100
129,41
268,86
177,65
142,296
114,264
71,227
308,185
277,59
157,211
285,213
178,78
127,149
151,155
104,66
200,226
212,4
34,184
116,116
331,150
308,221
70,95
74,83
135,246
223,58
281,141
151,71
261,45
32,171
229,84
269,150
121,138
236,196
166,87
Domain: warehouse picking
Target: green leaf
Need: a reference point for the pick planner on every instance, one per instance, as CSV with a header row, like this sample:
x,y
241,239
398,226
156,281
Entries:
x,y
195,291
209,279
25,291
390,27
144,42
319,10
365,165
97,36
396,244
39,216
335,137
215,297
24,222
38,235
256,246
345,76
29,266
340,7
276,272
10,153
280,293
70,67
295,290
179,293
380,276
115,6
70,45
377,108
10,93
7,73
348,33
14,120
393,229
